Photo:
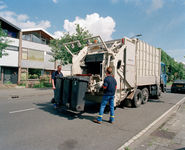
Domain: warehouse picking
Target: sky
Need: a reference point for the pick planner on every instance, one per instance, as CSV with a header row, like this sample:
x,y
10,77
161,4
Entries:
x,y
161,22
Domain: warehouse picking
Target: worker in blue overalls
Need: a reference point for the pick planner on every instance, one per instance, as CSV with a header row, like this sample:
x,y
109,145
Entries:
x,y
56,73
109,86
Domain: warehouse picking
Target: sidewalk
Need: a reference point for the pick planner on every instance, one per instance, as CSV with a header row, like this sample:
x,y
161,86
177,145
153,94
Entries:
x,y
24,92
170,135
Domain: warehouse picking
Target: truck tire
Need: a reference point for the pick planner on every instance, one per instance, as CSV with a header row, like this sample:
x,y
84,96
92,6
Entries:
x,y
137,100
159,95
145,95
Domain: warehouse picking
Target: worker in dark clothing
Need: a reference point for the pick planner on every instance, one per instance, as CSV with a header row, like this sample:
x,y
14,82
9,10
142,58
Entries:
x,y
109,86
56,73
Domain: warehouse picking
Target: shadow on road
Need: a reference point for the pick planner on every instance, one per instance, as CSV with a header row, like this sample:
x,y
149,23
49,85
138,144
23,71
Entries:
x,y
155,101
90,108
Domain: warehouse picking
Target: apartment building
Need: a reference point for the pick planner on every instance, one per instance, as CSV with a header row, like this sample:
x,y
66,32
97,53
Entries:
x,y
36,55
29,55
9,65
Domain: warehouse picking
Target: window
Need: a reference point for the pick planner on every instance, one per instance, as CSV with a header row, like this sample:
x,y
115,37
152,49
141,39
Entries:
x,y
43,41
35,37
163,69
49,53
6,32
34,73
47,42
26,36
47,72
35,55
24,53
10,33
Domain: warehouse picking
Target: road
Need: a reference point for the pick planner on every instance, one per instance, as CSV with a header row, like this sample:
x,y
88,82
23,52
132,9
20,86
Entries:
x,y
32,123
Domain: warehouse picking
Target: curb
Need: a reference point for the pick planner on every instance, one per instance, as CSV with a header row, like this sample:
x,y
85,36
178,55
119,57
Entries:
x,y
134,141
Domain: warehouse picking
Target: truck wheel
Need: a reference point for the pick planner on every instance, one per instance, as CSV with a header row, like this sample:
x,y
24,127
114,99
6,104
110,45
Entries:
x,y
158,96
145,95
137,98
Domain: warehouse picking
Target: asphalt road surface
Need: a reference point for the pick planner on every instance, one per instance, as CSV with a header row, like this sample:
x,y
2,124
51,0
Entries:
x,y
32,123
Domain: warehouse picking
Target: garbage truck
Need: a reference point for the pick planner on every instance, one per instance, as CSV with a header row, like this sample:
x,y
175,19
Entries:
x,y
136,66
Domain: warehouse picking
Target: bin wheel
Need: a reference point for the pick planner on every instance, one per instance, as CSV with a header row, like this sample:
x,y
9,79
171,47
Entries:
x,y
145,95
137,98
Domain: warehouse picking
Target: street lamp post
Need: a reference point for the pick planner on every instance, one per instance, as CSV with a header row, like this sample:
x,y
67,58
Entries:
x,y
136,35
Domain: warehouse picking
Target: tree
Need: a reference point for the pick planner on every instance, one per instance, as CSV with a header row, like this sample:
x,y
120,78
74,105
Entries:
x,y
4,41
172,67
59,51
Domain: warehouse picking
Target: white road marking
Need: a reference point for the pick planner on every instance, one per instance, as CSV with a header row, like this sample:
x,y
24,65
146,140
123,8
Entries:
x,y
21,110
147,128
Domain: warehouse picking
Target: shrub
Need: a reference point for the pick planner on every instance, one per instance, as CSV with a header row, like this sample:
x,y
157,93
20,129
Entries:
x,y
40,85
8,82
44,78
34,76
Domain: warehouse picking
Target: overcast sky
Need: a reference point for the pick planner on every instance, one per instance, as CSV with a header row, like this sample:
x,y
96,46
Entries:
x,y
161,22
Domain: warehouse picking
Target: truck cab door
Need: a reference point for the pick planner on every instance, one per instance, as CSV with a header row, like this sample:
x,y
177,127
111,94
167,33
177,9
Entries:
x,y
163,76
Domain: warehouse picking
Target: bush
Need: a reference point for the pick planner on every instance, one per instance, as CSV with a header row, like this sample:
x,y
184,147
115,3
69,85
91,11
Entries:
x,y
44,82
22,84
48,85
40,85
44,78
8,82
34,76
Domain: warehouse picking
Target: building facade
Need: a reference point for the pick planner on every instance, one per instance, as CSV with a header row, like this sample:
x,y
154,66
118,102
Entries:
x,y
9,65
29,55
36,54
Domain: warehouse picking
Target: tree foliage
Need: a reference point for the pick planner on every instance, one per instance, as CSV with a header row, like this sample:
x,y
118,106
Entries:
x,y
59,51
4,41
174,69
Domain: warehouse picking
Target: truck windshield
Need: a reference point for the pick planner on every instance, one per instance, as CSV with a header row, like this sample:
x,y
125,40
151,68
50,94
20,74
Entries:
x,y
163,70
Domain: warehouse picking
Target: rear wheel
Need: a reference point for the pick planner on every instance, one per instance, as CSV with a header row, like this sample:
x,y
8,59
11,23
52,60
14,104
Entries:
x,y
145,95
137,98
159,94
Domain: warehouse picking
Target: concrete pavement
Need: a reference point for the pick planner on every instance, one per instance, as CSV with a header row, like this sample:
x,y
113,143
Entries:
x,y
169,135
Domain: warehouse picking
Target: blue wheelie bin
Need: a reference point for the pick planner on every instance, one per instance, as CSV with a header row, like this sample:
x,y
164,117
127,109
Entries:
x,y
79,87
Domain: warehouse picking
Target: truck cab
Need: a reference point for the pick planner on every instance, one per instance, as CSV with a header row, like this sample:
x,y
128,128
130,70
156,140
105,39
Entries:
x,y
163,77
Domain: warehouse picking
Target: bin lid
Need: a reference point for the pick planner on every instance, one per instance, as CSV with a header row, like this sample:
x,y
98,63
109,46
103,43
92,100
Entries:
x,y
80,79
84,74
59,77
68,78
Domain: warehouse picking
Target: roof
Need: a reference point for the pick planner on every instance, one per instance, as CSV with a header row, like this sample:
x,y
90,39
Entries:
x,y
4,20
44,32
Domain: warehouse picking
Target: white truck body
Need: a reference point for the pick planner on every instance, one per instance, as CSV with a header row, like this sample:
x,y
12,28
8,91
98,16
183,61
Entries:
x,y
135,65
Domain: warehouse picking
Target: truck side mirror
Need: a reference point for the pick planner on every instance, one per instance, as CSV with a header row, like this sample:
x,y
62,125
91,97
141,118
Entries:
x,y
119,64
